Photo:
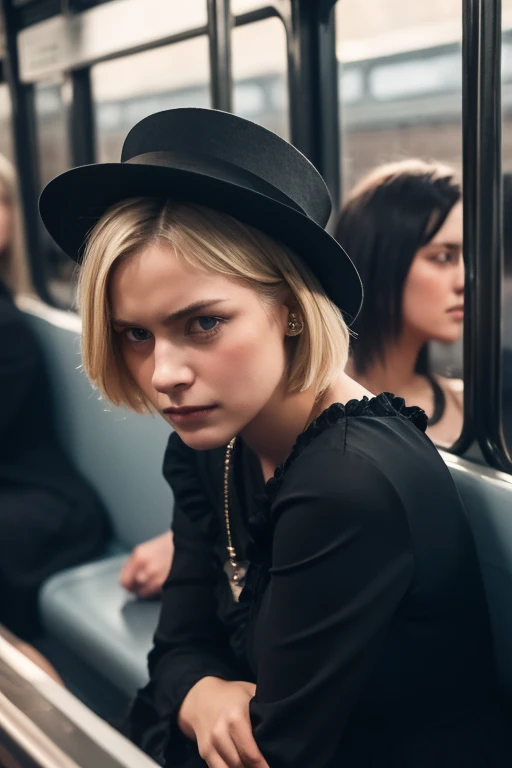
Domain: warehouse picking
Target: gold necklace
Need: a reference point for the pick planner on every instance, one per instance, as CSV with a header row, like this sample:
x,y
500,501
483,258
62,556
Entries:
x,y
234,570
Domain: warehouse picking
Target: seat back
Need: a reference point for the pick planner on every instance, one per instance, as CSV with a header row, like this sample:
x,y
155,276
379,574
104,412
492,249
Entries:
x,y
487,497
119,452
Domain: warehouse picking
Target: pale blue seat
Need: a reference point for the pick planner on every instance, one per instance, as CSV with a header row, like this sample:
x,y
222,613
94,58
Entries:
x,y
487,497
121,454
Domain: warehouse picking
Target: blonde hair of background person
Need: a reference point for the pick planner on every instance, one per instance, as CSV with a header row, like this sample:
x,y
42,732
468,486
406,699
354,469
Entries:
x,y
214,243
13,259
402,225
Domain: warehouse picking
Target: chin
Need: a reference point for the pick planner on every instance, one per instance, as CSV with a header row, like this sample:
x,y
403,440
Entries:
x,y
205,439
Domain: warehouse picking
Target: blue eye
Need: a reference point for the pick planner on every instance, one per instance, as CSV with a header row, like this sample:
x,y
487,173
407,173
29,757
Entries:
x,y
207,323
205,326
137,335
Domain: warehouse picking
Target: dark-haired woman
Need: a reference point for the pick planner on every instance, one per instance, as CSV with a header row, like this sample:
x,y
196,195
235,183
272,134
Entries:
x,y
402,226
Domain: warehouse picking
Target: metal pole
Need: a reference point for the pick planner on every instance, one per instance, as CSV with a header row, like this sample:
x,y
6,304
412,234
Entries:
x,y
483,223
313,86
219,35
25,151
82,125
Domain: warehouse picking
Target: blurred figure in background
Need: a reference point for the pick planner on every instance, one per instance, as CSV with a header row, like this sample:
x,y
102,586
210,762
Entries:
x,y
49,518
402,226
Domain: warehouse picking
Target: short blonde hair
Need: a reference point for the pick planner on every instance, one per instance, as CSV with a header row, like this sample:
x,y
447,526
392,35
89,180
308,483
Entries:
x,y
212,242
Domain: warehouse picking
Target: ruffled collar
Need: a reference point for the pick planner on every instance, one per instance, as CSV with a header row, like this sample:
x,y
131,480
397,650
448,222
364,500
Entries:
x,y
384,405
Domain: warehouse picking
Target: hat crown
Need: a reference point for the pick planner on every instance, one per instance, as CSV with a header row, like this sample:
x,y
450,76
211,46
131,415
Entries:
x,y
229,139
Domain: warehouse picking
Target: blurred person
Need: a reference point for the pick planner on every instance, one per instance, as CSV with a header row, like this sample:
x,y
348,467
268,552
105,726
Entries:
x,y
148,566
402,225
325,605
49,518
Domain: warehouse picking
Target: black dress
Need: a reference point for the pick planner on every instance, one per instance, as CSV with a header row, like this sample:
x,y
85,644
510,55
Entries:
x,y
363,622
49,517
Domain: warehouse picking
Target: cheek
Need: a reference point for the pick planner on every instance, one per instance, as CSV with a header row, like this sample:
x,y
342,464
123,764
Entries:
x,y
424,295
141,369
252,358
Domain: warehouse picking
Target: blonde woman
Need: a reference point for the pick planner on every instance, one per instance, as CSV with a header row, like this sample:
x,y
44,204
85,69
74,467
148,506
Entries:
x,y
324,605
49,518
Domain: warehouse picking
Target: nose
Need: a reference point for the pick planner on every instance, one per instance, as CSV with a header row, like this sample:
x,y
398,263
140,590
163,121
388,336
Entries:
x,y
171,370
459,276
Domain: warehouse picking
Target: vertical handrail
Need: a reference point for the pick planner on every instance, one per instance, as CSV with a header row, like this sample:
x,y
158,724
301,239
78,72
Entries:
x,y
483,222
25,152
313,86
82,124
219,37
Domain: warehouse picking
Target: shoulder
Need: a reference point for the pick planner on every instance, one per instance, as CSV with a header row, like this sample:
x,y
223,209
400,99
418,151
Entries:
x,y
336,472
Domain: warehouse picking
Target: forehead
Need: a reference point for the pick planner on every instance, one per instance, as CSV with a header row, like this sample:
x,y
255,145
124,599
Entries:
x,y
451,231
157,281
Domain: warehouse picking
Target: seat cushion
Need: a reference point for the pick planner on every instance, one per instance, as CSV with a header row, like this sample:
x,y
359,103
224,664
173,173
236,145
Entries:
x,y
87,610
487,497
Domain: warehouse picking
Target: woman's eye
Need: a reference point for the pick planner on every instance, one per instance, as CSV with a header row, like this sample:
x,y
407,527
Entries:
x,y
443,258
137,335
204,324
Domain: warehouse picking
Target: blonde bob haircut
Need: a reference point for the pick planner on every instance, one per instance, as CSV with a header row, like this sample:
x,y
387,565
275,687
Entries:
x,y
212,242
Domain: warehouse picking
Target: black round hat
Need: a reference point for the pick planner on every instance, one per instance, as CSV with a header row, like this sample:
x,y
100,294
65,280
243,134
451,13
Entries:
x,y
221,161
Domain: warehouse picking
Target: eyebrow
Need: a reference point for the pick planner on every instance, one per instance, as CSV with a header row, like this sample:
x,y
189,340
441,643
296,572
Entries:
x,y
454,246
180,314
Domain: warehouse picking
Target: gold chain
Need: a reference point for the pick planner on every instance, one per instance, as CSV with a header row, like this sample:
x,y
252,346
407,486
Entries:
x,y
235,571
227,462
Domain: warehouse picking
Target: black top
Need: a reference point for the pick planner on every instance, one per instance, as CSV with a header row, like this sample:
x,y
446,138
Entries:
x,y
363,622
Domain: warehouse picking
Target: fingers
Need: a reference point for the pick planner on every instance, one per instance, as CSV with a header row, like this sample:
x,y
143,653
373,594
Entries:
x,y
127,574
243,739
232,744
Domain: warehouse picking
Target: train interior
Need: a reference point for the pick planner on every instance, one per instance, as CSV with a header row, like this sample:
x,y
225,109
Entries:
x,y
78,75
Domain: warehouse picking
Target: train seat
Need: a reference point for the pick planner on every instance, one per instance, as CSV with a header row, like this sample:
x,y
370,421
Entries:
x,y
487,497
120,453
87,609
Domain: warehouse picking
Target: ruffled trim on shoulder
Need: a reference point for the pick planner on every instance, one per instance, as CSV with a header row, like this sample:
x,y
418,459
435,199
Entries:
x,y
383,405
260,524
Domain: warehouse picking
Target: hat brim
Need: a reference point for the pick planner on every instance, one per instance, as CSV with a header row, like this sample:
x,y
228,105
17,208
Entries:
x,y
72,203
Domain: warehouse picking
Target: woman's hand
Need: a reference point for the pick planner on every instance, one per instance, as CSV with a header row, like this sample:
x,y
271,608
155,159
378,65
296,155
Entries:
x,y
148,566
216,714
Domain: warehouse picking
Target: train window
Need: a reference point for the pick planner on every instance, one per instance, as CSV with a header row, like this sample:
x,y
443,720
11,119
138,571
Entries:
x,y
260,81
400,83
507,223
6,147
129,88
52,112
52,102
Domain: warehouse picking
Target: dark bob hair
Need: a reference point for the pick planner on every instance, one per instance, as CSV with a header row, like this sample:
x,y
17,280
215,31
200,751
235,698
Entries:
x,y
396,210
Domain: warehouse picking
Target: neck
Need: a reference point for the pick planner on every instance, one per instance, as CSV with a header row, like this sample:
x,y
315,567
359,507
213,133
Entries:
x,y
396,372
272,434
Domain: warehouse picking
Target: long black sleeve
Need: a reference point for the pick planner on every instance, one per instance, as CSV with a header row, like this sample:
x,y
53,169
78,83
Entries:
x,y
342,562
190,641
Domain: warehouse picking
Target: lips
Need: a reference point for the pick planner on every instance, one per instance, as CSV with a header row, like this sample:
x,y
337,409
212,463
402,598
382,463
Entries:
x,y
186,410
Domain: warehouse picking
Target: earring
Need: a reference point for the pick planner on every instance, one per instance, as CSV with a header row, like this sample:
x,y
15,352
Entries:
x,y
295,325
